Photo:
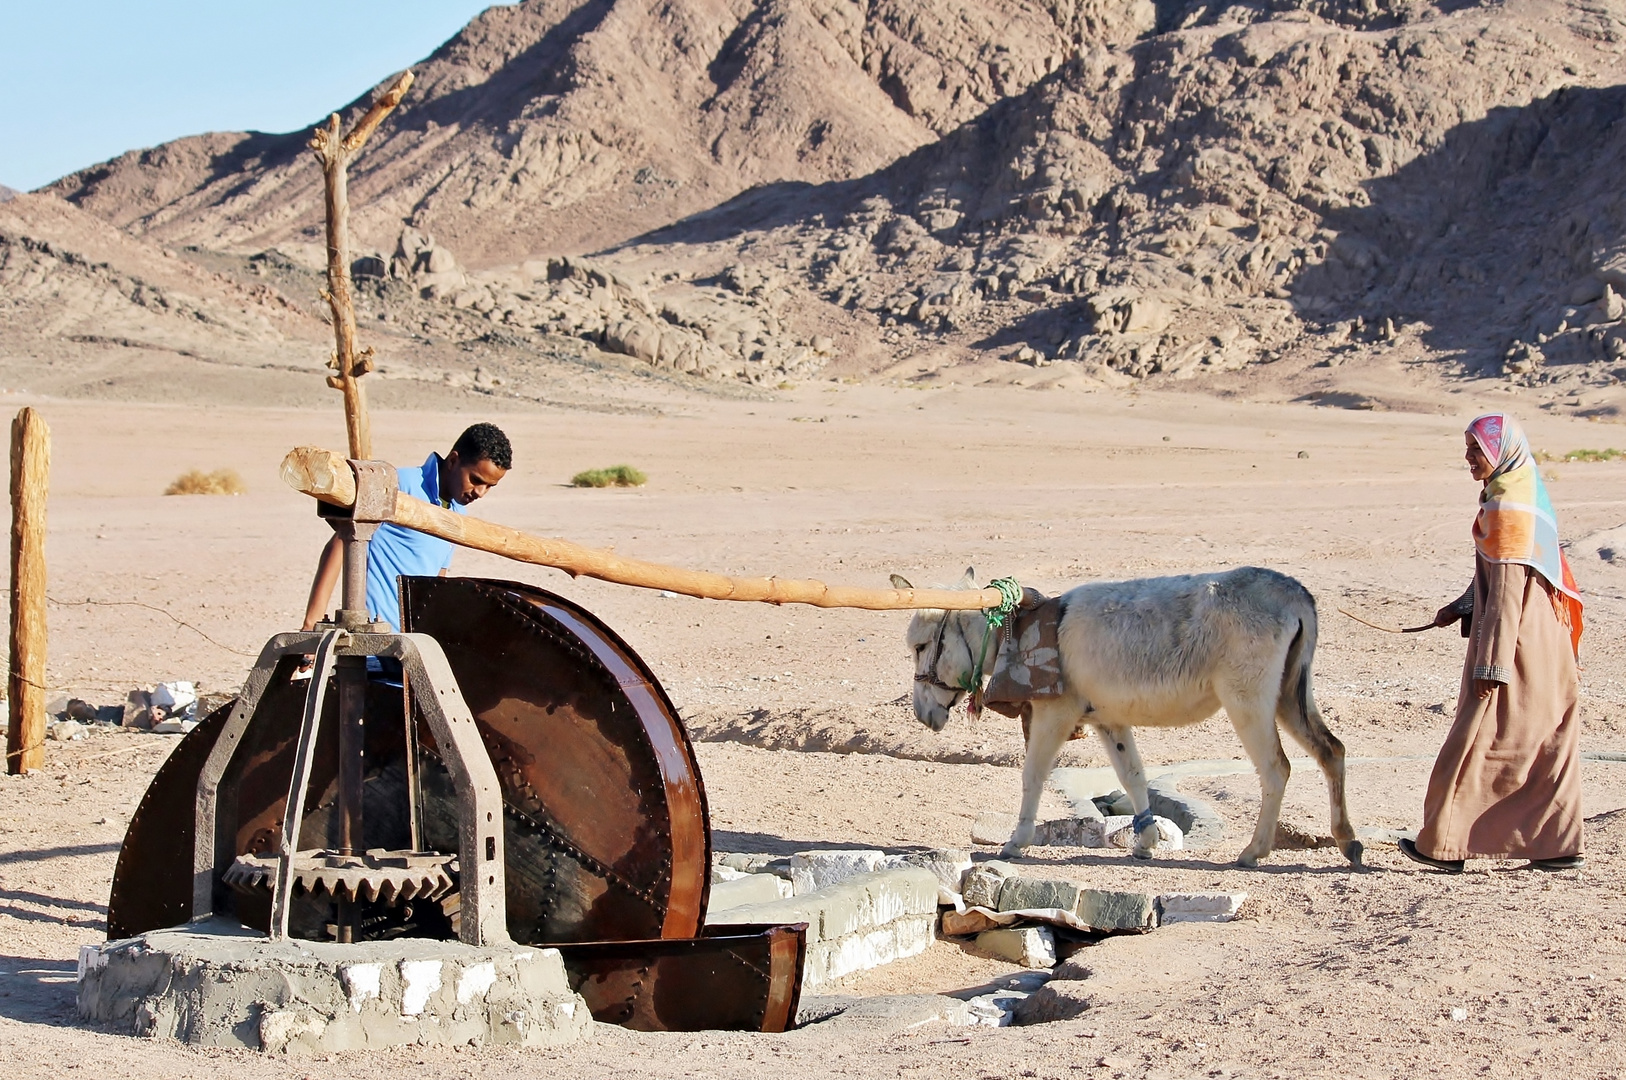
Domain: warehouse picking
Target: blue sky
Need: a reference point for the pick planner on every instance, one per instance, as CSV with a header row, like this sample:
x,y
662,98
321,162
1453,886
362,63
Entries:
x,y
85,80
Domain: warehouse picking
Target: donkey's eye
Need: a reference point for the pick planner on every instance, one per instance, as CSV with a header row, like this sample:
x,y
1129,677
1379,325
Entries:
x,y
919,649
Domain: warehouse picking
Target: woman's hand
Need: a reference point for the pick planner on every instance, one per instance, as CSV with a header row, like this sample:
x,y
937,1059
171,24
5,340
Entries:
x,y
1484,688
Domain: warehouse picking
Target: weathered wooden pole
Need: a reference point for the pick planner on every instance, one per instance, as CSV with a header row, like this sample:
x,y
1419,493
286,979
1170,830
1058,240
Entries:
x,y
30,482
325,475
335,153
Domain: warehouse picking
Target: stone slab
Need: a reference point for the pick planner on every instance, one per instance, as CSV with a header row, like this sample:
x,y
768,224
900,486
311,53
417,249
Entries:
x,y
1107,909
1199,907
746,889
1023,893
1030,946
894,1012
214,983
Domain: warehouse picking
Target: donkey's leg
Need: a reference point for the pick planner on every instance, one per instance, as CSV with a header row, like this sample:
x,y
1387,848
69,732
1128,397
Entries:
x,y
1255,724
1309,731
1126,762
1053,722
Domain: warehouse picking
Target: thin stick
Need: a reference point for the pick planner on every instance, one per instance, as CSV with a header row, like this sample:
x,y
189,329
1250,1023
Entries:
x,y
1387,629
335,153
30,484
325,475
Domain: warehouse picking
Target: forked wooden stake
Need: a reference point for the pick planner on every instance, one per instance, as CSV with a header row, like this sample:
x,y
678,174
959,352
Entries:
x,y
325,475
335,153
30,481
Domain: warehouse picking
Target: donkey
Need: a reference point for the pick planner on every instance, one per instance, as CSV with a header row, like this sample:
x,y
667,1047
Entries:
x,y
1157,652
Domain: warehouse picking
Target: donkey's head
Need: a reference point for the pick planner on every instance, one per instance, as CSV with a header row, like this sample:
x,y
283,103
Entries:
x,y
944,660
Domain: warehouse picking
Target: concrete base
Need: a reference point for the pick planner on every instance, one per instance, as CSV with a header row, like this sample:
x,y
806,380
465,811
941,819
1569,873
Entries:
x,y
213,983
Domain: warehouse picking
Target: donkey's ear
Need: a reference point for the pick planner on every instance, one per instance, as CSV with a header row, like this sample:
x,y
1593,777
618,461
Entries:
x,y
969,581
900,582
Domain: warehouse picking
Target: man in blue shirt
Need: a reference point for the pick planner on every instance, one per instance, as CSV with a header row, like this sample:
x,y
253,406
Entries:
x,y
479,459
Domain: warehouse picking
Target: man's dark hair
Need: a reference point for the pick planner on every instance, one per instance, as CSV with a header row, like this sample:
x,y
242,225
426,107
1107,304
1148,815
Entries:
x,y
484,442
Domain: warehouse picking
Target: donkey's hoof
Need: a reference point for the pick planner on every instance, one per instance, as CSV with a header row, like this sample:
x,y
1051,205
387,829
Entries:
x,y
1247,860
1353,852
1141,853
1011,851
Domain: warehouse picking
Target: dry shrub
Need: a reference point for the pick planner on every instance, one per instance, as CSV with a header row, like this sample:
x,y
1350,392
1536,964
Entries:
x,y
614,476
198,482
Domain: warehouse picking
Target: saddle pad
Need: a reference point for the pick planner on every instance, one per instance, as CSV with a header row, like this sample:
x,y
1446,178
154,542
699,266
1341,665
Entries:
x,y
1028,664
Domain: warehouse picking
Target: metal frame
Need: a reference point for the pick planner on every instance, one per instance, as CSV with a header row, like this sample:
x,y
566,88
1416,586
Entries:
x,y
341,649
435,691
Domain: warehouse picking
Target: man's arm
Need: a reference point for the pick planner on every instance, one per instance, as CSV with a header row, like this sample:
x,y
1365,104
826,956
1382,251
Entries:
x,y
328,569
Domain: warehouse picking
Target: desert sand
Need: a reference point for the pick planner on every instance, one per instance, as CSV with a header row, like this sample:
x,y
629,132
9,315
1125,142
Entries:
x,y
1329,973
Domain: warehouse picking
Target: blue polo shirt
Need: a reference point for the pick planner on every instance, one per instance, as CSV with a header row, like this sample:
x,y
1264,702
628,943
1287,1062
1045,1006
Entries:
x,y
396,551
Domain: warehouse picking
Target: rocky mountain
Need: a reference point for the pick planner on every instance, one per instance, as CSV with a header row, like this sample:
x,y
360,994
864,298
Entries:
x,y
1089,191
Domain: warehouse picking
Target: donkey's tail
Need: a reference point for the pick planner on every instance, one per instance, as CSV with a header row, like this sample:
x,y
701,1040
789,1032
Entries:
x,y
1297,697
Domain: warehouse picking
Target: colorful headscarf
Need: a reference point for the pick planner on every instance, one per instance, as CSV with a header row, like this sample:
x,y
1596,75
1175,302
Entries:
x,y
1516,522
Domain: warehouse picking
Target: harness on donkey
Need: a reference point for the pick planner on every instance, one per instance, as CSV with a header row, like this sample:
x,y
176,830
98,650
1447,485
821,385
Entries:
x,y
1027,658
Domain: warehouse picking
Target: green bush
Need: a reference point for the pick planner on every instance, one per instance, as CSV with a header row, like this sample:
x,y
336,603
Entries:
x,y
614,476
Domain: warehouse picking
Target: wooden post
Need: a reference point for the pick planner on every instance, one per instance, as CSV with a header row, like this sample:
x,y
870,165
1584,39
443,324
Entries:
x,y
335,152
30,481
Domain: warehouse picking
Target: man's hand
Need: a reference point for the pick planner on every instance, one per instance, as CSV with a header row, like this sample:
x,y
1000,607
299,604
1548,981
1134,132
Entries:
x,y
1484,688
1447,615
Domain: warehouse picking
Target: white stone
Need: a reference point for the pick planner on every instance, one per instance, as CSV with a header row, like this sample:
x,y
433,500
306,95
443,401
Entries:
x,y
996,1009
1030,946
745,889
65,730
813,870
1199,907
419,979
360,983
475,981
174,696
91,958
279,1027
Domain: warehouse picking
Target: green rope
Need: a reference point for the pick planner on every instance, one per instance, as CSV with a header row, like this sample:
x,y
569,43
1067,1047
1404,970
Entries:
x,y
1010,594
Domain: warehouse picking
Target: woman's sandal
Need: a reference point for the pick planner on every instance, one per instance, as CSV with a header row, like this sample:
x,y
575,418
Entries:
x,y
1408,848
1563,862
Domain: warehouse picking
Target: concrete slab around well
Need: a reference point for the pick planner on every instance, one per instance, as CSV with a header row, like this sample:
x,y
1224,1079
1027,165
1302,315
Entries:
x,y
214,983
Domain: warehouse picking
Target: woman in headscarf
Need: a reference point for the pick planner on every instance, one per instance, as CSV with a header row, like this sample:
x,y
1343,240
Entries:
x,y
1507,782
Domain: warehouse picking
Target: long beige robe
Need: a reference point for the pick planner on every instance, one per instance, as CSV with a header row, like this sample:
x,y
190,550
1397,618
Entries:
x,y
1508,779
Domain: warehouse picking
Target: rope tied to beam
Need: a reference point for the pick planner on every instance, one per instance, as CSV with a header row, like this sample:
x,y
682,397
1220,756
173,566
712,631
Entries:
x,y
1010,594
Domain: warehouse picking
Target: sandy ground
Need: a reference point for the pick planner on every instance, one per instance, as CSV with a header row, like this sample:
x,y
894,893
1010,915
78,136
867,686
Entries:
x,y
1331,973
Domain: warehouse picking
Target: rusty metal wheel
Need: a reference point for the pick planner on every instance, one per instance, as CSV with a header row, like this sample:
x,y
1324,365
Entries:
x,y
606,835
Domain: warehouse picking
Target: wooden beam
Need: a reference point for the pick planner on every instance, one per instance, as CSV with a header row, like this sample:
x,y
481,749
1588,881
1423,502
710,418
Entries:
x,y
335,152
325,475
30,484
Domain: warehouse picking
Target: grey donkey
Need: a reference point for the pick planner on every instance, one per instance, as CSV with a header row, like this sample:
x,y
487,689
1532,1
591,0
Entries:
x,y
1157,652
